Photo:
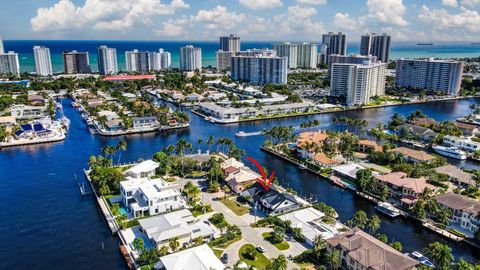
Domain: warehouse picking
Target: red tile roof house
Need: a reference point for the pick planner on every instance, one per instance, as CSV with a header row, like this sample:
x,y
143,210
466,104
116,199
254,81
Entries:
x,y
403,188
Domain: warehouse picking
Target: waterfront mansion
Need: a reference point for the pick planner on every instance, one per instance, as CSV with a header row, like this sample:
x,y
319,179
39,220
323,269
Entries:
x,y
142,195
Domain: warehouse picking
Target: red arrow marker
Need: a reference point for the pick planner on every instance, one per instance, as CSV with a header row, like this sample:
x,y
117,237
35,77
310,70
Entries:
x,y
264,181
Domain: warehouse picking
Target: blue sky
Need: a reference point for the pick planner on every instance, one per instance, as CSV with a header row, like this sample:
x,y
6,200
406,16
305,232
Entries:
x,y
405,20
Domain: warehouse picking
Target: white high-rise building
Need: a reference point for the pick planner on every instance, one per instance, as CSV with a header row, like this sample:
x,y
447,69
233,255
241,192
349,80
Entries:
x,y
260,69
137,61
230,44
9,63
357,83
224,60
165,59
378,45
2,49
43,62
289,50
107,60
336,43
190,58
430,74
350,59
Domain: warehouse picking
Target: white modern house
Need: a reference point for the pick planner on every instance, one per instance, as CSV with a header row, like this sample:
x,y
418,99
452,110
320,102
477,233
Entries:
x,y
21,111
309,220
143,169
147,122
143,196
179,224
196,258
463,143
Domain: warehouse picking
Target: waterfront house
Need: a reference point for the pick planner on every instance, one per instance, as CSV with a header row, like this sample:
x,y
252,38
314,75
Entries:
x,y
143,196
195,258
307,141
413,156
21,111
467,129
194,97
95,102
271,201
403,188
231,165
309,220
423,121
36,100
347,171
109,115
241,179
32,130
464,143
8,121
178,224
114,124
227,114
146,122
465,211
367,146
322,160
422,133
143,169
457,176
359,250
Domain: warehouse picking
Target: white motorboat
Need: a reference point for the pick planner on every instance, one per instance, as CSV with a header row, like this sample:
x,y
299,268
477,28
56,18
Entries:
x,y
451,152
302,166
246,134
421,259
387,209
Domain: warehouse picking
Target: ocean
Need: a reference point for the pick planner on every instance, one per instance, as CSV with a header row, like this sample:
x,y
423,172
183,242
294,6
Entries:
x,y
27,62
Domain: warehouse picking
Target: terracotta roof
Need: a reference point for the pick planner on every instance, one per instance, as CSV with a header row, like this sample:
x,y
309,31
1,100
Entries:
x,y
324,159
423,121
465,126
400,179
459,202
416,154
312,136
371,144
371,252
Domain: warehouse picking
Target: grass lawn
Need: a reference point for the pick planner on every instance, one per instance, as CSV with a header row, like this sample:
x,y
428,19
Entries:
x,y
145,267
281,246
260,261
226,244
235,206
218,252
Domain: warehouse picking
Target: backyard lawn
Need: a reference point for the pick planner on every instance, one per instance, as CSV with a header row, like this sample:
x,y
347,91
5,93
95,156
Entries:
x,y
260,261
235,206
281,246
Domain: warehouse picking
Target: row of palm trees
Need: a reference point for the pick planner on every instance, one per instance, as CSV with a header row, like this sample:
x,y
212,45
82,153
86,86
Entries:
x,y
109,151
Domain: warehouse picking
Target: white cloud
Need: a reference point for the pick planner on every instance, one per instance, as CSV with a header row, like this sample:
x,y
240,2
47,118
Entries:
x,y
102,14
312,2
173,27
387,11
261,4
470,3
297,20
441,19
450,3
219,17
344,22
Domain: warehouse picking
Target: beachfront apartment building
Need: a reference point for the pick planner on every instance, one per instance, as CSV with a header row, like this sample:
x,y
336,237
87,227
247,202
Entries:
x,y
75,62
465,211
356,84
137,61
224,60
300,55
349,59
377,45
464,143
230,43
180,225
430,74
190,58
161,60
9,63
336,43
107,60
43,61
360,251
259,69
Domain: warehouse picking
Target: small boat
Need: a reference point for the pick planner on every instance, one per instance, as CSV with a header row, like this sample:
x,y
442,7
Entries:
x,y
425,44
387,209
337,181
65,122
246,134
58,105
451,152
302,167
421,259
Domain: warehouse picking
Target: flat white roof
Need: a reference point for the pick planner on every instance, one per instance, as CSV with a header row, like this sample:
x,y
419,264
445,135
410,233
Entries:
x,y
349,169
144,166
196,258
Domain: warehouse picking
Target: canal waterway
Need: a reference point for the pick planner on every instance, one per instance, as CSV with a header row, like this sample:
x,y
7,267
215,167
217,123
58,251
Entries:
x,y
46,224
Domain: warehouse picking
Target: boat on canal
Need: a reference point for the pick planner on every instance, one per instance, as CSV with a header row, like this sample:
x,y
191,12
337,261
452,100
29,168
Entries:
x,y
421,259
387,209
247,134
452,152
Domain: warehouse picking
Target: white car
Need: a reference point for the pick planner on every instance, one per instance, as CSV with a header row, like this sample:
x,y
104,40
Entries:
x,y
260,249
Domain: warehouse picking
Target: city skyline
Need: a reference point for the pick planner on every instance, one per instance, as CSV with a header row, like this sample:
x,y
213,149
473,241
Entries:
x,y
404,20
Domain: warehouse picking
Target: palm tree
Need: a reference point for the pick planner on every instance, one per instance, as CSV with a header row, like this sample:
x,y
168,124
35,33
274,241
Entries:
x,y
210,142
163,251
463,265
373,224
319,243
441,254
169,149
121,146
333,259
174,244
180,147
280,263
138,244
200,142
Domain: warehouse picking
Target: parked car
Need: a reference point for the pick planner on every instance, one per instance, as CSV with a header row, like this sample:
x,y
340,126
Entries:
x,y
260,249
224,258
